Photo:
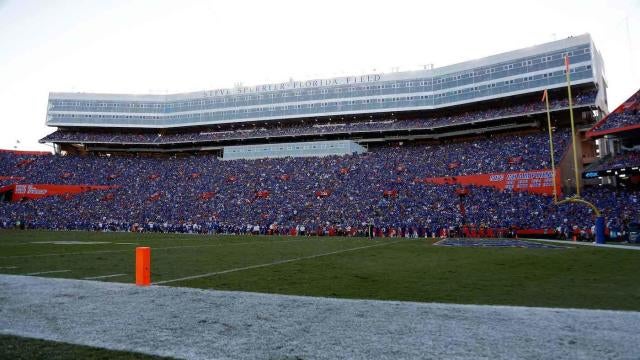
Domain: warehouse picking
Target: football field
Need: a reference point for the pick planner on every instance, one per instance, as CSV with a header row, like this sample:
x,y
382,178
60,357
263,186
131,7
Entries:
x,y
356,268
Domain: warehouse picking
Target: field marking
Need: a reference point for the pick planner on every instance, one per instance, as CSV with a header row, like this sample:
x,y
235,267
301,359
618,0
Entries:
x,y
47,272
8,267
610,246
272,263
127,243
69,242
103,277
166,248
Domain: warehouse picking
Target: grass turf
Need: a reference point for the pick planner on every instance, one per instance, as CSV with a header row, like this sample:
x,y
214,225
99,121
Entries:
x,y
412,270
17,348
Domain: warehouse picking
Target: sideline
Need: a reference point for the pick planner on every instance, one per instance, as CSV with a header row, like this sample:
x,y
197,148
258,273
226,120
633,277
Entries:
x,y
272,263
209,324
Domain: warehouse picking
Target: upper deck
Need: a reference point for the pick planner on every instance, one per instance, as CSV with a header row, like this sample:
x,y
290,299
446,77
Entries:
x,y
509,74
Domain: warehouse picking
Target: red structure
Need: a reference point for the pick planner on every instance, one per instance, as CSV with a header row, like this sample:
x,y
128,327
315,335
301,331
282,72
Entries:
x,y
36,191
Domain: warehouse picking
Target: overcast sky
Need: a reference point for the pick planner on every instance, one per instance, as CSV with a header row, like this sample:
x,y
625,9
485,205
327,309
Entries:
x,y
145,46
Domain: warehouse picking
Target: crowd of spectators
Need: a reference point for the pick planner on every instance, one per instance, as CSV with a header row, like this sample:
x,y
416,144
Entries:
x,y
627,115
383,187
624,160
275,129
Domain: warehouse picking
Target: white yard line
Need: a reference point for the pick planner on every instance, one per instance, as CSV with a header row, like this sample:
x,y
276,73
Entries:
x,y
169,248
8,267
127,243
566,242
272,263
48,272
103,276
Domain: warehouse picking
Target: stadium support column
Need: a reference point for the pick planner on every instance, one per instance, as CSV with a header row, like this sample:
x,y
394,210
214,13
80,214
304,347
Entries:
x,y
545,98
600,229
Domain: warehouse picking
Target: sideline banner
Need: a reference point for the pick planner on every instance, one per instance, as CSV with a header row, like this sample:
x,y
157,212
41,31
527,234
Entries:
x,y
534,181
37,191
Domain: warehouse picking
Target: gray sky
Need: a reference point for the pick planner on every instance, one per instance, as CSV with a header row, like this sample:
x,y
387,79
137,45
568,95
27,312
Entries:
x,y
145,46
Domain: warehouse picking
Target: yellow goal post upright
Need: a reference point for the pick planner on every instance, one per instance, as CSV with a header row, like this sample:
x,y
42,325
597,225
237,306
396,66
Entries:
x,y
576,198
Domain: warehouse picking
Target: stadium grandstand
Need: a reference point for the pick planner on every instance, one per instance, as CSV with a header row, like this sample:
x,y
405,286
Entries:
x,y
459,148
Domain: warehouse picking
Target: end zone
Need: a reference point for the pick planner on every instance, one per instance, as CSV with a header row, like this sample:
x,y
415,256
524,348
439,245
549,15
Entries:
x,y
495,243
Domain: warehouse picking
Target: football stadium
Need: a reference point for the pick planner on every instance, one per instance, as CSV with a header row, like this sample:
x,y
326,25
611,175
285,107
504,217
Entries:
x,y
485,209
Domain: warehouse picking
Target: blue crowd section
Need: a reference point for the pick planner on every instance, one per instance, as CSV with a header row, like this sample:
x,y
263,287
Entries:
x,y
338,126
204,194
626,115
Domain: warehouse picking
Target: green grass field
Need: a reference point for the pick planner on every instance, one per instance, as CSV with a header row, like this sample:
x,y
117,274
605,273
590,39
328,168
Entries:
x,y
20,348
389,269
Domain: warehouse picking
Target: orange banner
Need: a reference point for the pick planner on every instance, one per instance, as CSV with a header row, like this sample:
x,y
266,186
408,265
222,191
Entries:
x,y
534,181
36,191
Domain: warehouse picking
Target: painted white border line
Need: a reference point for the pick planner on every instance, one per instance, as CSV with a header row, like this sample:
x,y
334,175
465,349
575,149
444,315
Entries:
x,y
272,263
47,272
169,248
566,242
8,267
103,277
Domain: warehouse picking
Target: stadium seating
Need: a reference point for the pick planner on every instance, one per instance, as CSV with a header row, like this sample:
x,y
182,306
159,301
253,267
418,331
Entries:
x,y
339,194
626,159
239,131
628,114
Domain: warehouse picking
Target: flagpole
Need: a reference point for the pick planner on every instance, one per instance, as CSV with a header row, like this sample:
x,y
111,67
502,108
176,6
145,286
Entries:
x,y
573,127
553,162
